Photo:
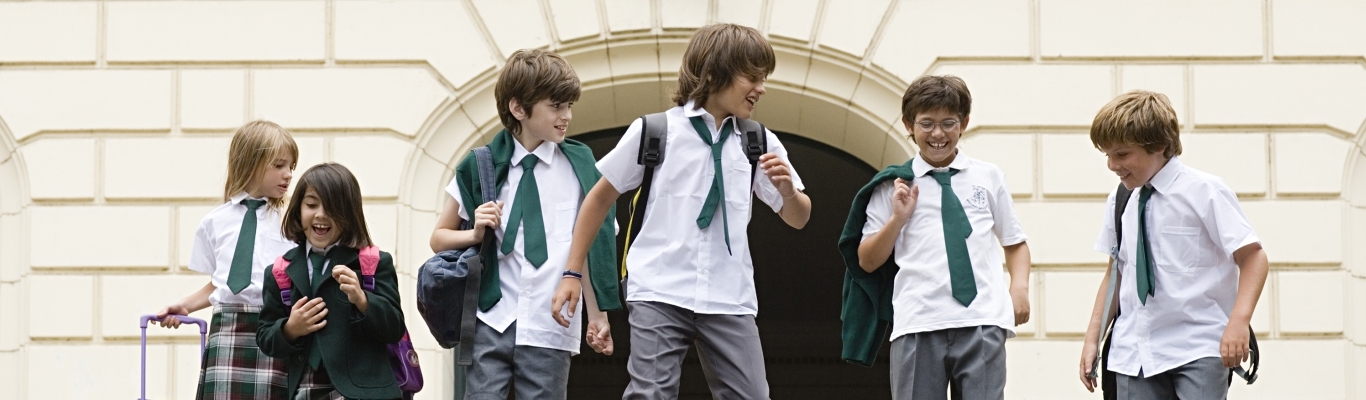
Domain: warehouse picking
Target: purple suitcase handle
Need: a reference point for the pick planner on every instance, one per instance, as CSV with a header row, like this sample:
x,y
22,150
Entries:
x,y
142,323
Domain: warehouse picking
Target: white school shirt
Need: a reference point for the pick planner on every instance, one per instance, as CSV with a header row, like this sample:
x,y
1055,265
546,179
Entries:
x,y
1194,225
215,241
527,290
922,297
672,261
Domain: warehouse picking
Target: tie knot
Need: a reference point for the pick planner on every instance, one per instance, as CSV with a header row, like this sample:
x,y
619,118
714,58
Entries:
x,y
944,177
529,162
1146,191
252,205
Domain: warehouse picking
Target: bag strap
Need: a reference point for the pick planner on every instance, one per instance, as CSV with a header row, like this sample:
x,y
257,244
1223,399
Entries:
x,y
1107,321
474,278
654,139
369,262
754,141
282,280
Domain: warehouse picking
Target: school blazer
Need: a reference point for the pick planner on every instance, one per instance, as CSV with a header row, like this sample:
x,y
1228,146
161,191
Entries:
x,y
866,307
352,344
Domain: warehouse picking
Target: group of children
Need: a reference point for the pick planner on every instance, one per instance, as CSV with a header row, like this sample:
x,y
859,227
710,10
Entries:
x,y
925,270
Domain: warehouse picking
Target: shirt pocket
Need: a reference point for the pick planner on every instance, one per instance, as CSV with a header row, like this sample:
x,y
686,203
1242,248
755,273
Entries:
x,y
739,190
1180,248
565,212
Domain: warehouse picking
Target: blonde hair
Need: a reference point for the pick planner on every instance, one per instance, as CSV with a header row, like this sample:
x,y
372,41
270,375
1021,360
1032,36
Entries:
x,y
254,148
529,77
716,54
1140,118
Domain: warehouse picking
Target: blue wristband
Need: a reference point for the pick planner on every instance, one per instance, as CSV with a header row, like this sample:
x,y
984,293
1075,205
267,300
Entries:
x,y
572,274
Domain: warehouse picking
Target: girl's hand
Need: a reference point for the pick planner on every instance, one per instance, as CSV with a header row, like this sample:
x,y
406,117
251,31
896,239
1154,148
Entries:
x,y
599,332
168,315
488,215
307,316
566,298
350,285
903,199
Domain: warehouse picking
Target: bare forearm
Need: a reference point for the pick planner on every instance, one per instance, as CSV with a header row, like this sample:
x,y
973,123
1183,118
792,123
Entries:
x,y
796,210
1252,272
198,300
1018,263
1096,324
875,249
449,239
591,215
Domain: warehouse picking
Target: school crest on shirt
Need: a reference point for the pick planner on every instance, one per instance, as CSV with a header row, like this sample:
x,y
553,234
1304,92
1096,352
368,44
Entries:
x,y
978,199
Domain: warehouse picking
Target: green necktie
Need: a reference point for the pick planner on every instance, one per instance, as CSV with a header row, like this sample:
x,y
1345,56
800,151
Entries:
x,y
956,231
1146,283
718,188
316,260
239,276
526,209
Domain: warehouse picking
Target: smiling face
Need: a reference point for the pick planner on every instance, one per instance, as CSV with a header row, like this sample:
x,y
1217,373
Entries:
x,y
319,228
548,121
1134,165
738,99
273,183
939,146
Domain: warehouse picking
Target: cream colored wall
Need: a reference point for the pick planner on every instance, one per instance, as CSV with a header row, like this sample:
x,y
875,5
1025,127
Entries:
x,y
115,117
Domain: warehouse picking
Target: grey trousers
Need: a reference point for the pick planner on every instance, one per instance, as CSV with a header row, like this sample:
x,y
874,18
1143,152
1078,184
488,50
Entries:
x,y
1202,379
533,372
972,360
728,346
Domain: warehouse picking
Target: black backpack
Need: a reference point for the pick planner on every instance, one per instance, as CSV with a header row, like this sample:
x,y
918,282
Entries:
x,y
1107,378
654,139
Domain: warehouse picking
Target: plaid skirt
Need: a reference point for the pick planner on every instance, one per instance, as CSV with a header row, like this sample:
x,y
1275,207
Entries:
x,y
316,385
233,367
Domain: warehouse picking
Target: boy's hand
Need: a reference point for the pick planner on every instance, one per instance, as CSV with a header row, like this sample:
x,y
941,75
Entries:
x,y
566,296
168,315
307,316
599,332
1088,355
903,200
779,173
488,215
350,285
1019,295
1233,348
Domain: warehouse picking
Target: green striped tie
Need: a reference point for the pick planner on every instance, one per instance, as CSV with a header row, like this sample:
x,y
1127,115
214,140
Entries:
x,y
718,185
526,210
956,231
239,276
1143,266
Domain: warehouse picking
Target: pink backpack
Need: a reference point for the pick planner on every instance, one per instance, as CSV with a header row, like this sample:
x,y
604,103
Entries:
x,y
402,356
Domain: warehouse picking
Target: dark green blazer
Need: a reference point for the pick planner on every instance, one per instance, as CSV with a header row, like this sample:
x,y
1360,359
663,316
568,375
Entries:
x,y
866,310
352,344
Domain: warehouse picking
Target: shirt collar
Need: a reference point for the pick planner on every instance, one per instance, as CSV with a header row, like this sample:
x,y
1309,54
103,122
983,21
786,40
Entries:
x,y
237,199
1165,177
309,247
691,110
960,162
545,152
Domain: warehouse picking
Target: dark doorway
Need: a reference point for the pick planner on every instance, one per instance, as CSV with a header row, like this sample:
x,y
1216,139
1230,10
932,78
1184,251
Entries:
x,y
798,276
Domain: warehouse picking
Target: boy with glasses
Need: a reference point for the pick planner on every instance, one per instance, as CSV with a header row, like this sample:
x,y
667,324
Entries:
x,y
941,288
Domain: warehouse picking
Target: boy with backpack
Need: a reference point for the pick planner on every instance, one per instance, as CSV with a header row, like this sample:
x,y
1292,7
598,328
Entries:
x,y
920,248
541,179
1191,266
691,280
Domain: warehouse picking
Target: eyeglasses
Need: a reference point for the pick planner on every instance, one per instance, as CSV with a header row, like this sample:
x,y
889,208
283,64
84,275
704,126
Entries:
x,y
948,125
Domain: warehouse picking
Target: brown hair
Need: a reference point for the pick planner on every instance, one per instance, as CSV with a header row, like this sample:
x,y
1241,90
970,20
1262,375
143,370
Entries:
x,y
339,194
716,54
529,77
1140,118
933,92
255,147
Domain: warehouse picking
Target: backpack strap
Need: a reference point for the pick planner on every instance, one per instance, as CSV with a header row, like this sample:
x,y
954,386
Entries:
x,y
1103,348
282,280
754,141
654,139
474,277
369,261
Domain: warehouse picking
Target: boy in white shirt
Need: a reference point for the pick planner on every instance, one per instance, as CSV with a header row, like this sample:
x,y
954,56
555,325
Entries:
x,y
691,279
1191,267
939,217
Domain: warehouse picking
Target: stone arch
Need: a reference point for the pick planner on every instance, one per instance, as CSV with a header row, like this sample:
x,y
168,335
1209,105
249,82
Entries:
x,y
14,197
819,94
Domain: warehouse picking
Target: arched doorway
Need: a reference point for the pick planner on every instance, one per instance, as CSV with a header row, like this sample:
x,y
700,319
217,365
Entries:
x,y
798,277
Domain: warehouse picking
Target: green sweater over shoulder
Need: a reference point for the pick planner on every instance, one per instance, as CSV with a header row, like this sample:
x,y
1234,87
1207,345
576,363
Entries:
x,y
867,306
601,256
